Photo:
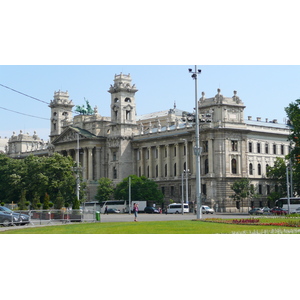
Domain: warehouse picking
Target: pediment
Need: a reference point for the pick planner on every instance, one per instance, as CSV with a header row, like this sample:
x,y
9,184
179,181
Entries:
x,y
70,134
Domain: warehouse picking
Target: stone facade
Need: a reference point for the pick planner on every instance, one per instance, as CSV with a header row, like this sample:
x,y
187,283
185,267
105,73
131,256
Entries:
x,y
160,145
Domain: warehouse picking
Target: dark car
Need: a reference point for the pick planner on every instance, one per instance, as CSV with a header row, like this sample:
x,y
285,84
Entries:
x,y
151,210
278,211
256,211
9,217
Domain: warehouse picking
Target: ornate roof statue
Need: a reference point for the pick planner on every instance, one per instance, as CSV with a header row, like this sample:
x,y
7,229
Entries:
x,y
85,111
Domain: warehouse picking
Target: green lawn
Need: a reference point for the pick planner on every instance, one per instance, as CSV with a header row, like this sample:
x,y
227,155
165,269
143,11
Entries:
x,y
162,227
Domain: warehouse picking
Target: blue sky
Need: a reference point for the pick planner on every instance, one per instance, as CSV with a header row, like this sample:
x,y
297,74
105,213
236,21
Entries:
x,y
265,90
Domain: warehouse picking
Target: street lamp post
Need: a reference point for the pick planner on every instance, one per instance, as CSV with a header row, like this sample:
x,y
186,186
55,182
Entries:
x,y
182,192
77,169
197,149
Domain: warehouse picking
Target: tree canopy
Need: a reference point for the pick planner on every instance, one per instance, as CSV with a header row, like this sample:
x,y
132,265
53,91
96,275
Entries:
x,y
242,190
142,188
105,189
37,176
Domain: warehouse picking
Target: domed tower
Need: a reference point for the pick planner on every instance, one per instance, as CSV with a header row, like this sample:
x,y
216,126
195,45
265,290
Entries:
x,y
122,100
123,125
61,111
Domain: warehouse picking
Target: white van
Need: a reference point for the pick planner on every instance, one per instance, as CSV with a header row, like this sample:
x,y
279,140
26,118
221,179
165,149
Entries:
x,y
176,208
207,210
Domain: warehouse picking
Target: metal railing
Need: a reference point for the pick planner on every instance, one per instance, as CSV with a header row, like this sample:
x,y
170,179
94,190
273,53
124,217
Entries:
x,y
44,217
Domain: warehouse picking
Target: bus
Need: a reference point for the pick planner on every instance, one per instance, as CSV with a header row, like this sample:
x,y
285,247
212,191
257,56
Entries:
x,y
93,205
294,204
121,205
176,208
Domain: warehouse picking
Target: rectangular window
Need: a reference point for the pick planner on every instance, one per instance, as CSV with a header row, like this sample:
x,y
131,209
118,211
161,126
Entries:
x,y
274,149
204,189
250,147
260,189
267,148
205,146
234,145
282,149
258,147
172,190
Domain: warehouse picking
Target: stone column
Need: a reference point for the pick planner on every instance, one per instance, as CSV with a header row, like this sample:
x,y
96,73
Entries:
x,y
98,163
210,156
150,162
84,166
177,160
142,162
159,161
90,163
168,161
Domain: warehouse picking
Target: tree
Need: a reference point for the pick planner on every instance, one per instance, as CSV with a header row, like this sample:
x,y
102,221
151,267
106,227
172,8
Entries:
x,y
242,190
59,202
38,175
35,201
293,113
105,189
76,203
142,188
22,201
277,174
46,201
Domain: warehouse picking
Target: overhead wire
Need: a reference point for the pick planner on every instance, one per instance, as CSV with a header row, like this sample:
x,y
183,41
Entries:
x,y
23,113
23,94
26,96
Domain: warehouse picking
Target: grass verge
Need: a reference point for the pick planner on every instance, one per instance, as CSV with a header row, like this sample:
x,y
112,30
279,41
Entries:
x,y
161,227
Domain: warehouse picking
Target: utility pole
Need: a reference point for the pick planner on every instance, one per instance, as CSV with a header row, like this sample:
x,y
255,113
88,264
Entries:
x,y
197,149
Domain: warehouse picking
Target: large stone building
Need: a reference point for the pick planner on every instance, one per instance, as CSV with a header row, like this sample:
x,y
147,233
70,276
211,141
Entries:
x,y
160,145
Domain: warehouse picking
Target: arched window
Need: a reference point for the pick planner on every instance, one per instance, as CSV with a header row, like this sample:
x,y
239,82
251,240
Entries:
x,y
116,100
233,166
128,100
259,169
128,115
250,169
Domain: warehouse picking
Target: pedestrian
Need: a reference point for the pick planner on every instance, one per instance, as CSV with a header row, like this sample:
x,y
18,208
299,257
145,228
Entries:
x,y
135,211
106,211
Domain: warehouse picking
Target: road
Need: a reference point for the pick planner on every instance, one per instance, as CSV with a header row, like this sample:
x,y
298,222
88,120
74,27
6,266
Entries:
x,y
142,217
163,217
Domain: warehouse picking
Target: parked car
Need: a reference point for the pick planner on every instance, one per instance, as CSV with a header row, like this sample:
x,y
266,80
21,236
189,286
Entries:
x,y
113,211
207,210
151,210
266,210
278,211
256,211
297,210
9,217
